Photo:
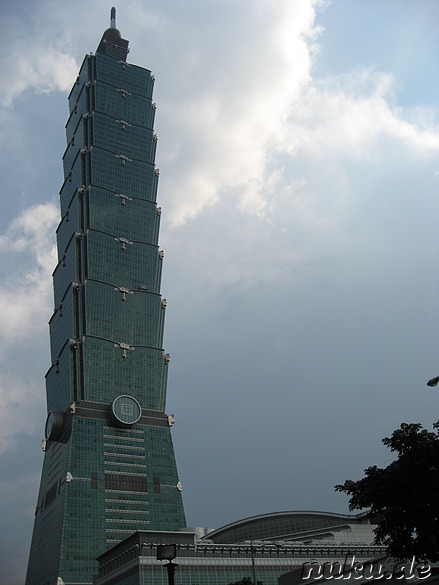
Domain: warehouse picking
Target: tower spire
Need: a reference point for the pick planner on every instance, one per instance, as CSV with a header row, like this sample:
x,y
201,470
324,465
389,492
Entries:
x,y
112,43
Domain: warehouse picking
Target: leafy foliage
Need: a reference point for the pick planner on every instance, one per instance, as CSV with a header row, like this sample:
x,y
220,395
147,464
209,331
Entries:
x,y
245,581
404,495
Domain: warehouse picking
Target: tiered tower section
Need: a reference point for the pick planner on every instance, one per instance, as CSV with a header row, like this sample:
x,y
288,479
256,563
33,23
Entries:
x,y
109,467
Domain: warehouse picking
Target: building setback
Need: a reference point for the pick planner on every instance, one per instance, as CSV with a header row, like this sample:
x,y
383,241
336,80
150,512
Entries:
x,y
109,467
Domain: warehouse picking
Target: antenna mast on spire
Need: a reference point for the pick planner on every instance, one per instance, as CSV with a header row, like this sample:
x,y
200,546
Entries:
x,y
112,43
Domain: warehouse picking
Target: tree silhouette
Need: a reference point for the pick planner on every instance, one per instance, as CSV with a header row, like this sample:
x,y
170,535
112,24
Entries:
x,y
404,495
246,581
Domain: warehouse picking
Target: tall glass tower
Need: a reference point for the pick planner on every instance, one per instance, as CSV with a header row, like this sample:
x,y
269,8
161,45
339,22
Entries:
x,y
109,467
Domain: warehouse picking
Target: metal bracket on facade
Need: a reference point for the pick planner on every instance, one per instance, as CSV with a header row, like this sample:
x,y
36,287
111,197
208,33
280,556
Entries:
x,y
124,291
124,242
124,92
124,124
124,198
124,347
74,343
123,158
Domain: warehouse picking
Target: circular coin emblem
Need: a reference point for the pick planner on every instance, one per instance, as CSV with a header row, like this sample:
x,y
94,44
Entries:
x,y
126,411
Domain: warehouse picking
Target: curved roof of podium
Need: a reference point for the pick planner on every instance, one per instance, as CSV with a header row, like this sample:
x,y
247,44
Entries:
x,y
282,525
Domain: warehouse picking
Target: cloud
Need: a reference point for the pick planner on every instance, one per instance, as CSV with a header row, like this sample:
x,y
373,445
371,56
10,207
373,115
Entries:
x,y
37,60
239,105
345,116
43,69
28,258
25,293
239,127
234,118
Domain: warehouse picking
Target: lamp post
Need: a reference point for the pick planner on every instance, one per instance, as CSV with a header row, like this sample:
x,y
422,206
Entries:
x,y
253,563
168,552
171,570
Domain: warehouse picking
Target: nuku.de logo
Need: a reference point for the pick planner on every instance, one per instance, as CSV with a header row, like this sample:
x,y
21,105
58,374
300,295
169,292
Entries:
x,y
350,569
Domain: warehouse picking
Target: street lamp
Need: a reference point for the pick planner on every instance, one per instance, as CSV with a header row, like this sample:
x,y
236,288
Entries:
x,y
433,382
168,552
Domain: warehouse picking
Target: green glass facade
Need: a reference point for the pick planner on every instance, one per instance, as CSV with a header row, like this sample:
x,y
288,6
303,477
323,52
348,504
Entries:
x,y
109,467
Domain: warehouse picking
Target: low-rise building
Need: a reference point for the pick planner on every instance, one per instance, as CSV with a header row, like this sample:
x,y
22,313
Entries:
x,y
261,547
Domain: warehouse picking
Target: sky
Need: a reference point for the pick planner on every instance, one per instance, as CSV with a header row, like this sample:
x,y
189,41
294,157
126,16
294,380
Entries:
x,y
299,182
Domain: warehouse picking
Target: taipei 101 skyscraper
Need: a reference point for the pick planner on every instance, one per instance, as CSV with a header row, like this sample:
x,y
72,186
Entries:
x,y
109,467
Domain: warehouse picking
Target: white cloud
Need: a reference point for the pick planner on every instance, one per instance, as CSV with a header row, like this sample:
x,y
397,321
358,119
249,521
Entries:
x,y
345,116
37,66
235,116
28,258
25,292
44,73
257,106
29,230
